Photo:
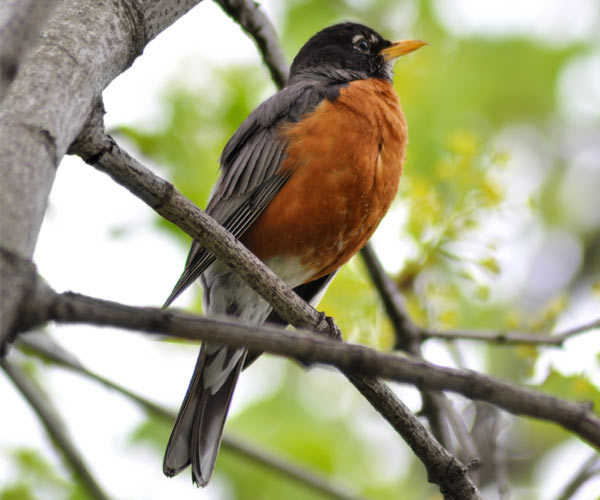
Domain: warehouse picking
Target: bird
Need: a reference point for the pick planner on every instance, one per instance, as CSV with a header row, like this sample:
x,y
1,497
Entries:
x,y
304,181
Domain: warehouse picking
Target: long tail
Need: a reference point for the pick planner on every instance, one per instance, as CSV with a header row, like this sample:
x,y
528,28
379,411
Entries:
x,y
198,430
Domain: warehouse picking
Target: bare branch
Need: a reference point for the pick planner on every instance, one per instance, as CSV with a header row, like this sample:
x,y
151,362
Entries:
x,y
436,406
44,346
408,333
102,152
589,469
48,103
442,468
469,450
499,461
254,22
54,427
557,339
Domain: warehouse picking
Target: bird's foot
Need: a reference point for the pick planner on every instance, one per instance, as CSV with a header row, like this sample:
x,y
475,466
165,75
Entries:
x,y
327,326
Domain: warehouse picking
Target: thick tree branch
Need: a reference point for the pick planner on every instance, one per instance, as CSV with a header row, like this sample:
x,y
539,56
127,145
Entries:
x,y
22,275
254,21
54,427
48,103
43,346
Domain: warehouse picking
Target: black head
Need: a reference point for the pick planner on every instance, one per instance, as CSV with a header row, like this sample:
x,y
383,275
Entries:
x,y
346,52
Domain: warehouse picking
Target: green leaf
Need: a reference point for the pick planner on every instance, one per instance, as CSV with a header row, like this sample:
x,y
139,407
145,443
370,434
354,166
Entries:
x,y
571,387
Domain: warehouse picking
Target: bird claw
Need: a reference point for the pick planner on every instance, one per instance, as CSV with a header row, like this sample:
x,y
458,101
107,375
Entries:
x,y
330,328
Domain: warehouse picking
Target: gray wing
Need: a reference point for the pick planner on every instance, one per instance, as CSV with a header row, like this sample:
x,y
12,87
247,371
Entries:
x,y
250,176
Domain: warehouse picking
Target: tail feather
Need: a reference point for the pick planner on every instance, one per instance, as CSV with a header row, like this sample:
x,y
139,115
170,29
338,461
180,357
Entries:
x,y
207,431
196,436
197,433
177,455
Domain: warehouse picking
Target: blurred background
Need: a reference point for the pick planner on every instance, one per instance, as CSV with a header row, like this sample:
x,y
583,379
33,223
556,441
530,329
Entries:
x,y
496,226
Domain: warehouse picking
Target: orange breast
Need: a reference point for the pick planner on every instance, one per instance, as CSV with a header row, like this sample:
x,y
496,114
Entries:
x,y
346,157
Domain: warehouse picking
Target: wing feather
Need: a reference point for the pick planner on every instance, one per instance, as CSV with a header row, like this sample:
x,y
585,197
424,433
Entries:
x,y
250,175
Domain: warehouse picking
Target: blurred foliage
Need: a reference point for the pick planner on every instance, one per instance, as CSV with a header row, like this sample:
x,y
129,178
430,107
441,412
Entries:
x,y
574,387
179,143
460,96
35,478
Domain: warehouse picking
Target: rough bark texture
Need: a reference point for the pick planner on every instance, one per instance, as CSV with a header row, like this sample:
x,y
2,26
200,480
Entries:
x,y
81,49
20,24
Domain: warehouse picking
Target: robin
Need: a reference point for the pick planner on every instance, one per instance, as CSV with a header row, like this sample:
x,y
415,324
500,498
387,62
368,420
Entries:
x,y
304,182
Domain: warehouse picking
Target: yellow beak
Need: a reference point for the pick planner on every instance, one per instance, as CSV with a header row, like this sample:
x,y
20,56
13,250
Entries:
x,y
401,48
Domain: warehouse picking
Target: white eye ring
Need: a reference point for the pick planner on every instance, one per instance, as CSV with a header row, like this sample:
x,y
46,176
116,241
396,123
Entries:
x,y
362,45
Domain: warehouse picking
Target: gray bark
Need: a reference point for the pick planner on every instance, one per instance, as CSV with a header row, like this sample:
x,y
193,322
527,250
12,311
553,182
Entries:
x,y
20,24
81,49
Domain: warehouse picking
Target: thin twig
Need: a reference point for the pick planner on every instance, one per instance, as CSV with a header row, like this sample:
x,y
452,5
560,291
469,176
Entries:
x,y
469,450
589,469
299,474
408,335
254,22
500,337
499,460
408,332
54,427
436,407
44,346
486,429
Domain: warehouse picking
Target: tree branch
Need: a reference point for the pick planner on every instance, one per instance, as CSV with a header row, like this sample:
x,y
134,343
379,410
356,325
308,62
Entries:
x,y
43,346
436,407
54,427
557,339
409,333
103,153
589,469
309,349
48,103
46,305
253,21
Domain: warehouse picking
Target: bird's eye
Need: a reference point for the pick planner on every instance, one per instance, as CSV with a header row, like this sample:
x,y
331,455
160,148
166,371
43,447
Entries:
x,y
362,45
